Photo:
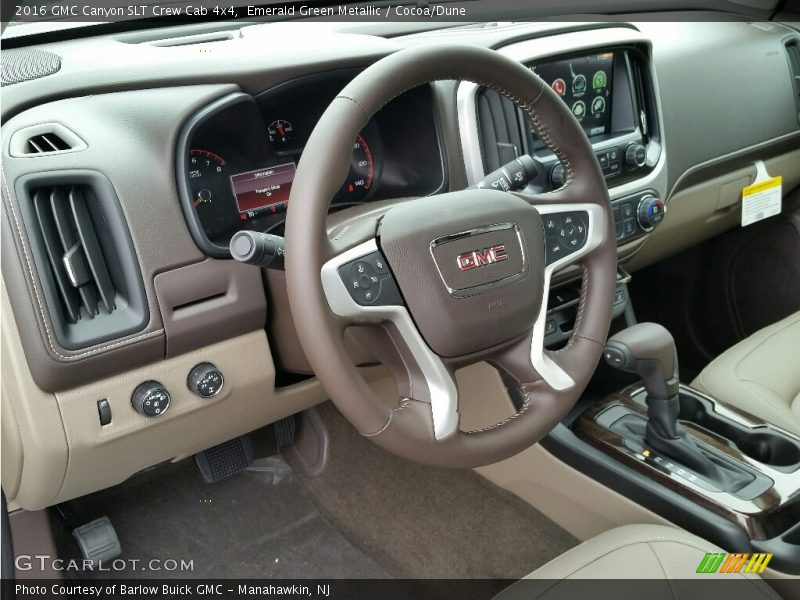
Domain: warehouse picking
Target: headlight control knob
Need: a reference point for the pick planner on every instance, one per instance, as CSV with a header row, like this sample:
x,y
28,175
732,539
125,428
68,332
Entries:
x,y
150,399
651,212
205,380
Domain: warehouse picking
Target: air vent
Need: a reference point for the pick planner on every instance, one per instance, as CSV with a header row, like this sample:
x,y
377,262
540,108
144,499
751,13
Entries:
x,y
85,258
500,126
44,139
76,259
793,54
46,142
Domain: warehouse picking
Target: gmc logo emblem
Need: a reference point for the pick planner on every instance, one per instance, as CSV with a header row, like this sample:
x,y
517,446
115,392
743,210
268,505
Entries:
x,y
481,258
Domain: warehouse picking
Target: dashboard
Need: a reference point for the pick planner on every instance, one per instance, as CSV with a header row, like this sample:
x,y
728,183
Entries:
x,y
237,157
198,138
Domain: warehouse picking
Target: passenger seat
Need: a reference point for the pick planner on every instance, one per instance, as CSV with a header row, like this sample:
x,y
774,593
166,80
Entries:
x,y
760,375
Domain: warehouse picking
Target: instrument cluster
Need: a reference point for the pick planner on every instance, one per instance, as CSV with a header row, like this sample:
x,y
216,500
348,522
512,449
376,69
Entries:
x,y
237,157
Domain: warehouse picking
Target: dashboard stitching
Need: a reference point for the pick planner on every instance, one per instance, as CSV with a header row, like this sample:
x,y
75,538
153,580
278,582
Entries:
x,y
40,304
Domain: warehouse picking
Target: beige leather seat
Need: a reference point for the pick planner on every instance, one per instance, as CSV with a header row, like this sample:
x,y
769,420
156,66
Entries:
x,y
761,375
652,552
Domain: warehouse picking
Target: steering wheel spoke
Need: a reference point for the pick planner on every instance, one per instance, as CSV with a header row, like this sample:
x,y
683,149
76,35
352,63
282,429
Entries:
x,y
572,231
360,288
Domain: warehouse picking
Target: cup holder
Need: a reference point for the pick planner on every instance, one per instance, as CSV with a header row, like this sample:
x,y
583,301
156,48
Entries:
x,y
767,447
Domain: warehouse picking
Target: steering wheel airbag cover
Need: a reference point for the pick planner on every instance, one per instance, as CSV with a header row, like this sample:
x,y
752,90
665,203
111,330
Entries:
x,y
494,301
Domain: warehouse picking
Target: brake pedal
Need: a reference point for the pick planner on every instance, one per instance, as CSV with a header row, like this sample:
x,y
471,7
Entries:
x,y
98,541
225,460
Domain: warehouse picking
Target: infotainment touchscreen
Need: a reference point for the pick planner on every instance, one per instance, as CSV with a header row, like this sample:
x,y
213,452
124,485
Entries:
x,y
584,83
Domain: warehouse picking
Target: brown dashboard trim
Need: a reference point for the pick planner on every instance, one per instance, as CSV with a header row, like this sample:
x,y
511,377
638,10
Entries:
x,y
208,302
734,161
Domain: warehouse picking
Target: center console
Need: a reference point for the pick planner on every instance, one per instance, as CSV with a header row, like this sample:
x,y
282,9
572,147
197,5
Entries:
x,y
712,469
764,500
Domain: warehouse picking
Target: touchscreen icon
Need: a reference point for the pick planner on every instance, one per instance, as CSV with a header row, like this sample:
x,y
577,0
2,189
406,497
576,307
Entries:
x,y
578,82
599,80
579,110
559,87
598,105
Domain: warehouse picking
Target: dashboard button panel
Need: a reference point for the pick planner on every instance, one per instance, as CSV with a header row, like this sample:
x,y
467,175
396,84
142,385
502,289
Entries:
x,y
637,215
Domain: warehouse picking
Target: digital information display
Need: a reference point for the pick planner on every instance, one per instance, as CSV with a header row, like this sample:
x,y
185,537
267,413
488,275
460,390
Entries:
x,y
263,189
584,83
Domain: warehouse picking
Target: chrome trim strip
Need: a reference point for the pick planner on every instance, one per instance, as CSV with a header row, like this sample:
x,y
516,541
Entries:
x,y
441,387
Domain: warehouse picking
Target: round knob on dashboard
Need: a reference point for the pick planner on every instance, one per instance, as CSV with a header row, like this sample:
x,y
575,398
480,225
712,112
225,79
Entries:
x,y
205,380
635,156
150,399
651,212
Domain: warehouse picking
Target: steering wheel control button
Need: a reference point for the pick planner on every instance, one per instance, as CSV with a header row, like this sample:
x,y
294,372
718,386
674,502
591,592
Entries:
x,y
572,233
150,399
565,233
369,281
205,380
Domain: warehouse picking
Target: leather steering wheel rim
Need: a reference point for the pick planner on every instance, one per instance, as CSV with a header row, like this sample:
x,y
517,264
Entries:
x,y
408,429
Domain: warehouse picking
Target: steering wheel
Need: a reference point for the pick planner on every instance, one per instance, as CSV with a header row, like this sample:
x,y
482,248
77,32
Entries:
x,y
450,279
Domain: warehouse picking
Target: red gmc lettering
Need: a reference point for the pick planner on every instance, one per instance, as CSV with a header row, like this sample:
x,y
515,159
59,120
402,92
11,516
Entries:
x,y
480,258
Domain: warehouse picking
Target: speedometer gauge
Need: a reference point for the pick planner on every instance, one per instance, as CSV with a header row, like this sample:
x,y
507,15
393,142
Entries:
x,y
362,170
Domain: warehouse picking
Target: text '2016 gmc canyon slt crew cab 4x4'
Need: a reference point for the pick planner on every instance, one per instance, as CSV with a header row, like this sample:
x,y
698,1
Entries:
x,y
506,305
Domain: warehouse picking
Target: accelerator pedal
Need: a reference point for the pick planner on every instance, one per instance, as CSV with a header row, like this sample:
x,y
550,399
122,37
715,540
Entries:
x,y
225,460
284,432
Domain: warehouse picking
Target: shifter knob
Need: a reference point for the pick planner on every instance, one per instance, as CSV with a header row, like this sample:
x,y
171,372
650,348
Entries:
x,y
648,350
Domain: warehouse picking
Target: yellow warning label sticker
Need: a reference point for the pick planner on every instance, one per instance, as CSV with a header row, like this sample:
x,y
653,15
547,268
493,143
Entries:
x,y
761,200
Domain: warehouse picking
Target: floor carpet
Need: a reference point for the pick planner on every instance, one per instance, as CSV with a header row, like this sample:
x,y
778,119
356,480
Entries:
x,y
425,522
368,515
258,523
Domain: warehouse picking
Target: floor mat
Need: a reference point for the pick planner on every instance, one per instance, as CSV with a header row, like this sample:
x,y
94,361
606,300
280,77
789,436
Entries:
x,y
255,524
424,522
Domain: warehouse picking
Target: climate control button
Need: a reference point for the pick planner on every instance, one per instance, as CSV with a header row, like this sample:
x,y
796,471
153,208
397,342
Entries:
x,y
650,213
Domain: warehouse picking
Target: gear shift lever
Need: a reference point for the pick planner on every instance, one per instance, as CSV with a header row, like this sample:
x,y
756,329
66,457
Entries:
x,y
648,350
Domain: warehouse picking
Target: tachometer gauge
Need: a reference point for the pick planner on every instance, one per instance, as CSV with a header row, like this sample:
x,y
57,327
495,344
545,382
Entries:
x,y
207,176
280,134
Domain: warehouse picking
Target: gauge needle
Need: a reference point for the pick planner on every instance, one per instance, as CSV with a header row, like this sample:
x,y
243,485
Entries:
x,y
281,130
